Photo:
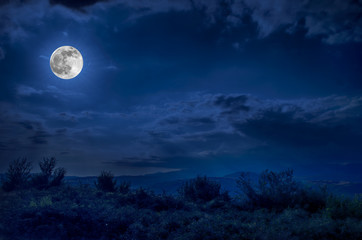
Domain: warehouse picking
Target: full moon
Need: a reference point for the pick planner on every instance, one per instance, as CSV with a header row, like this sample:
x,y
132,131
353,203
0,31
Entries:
x,y
66,62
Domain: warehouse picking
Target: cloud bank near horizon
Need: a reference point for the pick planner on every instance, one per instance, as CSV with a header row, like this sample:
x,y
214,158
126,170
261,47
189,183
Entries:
x,y
199,126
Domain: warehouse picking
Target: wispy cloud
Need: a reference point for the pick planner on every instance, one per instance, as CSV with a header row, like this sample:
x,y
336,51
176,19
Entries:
x,y
195,128
318,18
23,90
112,68
44,57
27,91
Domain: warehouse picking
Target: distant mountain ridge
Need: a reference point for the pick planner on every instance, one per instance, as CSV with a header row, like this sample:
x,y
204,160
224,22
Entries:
x,y
171,182
166,182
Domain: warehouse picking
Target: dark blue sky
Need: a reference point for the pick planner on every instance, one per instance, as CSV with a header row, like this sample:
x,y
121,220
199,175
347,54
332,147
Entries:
x,y
198,86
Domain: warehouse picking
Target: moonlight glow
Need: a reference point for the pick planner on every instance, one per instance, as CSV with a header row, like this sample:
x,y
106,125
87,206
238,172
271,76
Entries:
x,y
66,62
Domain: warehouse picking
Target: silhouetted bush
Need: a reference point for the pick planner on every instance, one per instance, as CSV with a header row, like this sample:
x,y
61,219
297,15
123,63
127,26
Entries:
x,y
39,181
166,202
81,212
48,177
311,199
339,207
200,189
106,182
143,199
17,175
124,187
58,176
47,166
279,191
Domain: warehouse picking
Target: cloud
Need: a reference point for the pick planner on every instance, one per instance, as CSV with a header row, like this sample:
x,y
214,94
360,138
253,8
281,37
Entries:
x,y
335,22
40,137
23,90
30,125
200,126
151,161
275,126
44,57
50,91
21,131
77,5
18,18
184,133
232,104
112,68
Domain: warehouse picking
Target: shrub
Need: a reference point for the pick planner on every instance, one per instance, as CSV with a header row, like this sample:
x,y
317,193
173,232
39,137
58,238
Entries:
x,y
39,181
47,166
17,175
78,212
142,198
279,191
58,177
106,182
312,200
200,189
166,203
49,176
124,187
343,207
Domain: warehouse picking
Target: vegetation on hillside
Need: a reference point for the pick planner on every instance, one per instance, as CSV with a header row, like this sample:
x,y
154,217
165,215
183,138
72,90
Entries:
x,y
277,207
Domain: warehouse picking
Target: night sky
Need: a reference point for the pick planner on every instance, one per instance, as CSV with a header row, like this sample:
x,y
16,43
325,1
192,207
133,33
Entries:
x,y
188,86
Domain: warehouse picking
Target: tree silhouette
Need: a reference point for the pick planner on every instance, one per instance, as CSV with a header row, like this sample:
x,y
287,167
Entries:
x,y
106,182
17,175
49,176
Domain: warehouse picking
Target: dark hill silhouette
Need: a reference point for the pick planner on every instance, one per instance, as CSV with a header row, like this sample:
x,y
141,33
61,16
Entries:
x,y
170,182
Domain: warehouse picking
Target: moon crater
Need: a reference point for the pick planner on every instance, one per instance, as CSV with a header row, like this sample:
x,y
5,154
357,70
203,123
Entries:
x,y
66,62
